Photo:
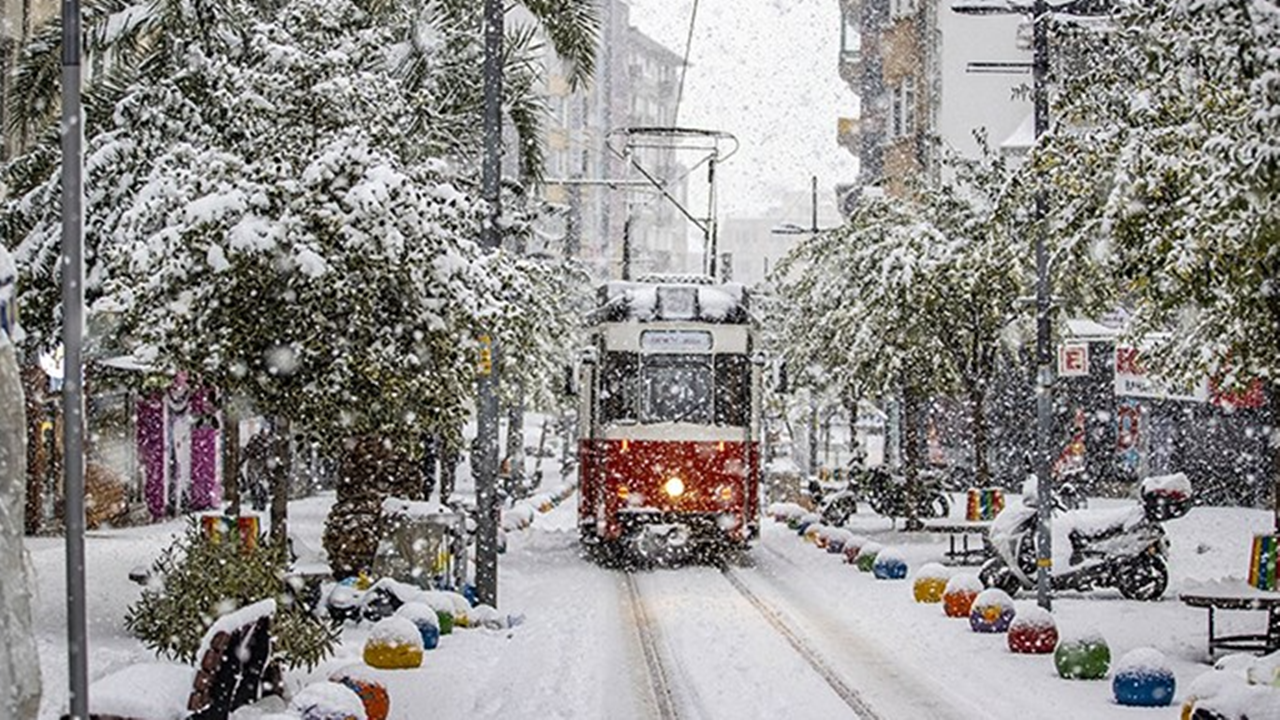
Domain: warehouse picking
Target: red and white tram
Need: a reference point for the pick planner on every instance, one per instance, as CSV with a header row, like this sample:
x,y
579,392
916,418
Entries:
x,y
670,417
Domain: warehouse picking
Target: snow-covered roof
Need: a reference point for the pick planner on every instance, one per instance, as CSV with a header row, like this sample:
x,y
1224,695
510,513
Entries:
x,y
687,299
1085,329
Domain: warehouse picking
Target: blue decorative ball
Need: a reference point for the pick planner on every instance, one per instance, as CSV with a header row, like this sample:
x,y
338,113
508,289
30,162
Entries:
x,y
1143,679
889,567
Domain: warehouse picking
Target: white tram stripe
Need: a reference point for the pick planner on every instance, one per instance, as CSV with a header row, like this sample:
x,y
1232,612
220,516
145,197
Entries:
x,y
676,432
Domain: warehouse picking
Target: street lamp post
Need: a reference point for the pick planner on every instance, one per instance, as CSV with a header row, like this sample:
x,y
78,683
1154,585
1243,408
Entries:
x,y
486,450
1039,10
73,367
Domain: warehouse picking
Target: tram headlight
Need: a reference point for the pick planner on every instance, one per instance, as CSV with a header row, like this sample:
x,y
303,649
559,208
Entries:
x,y
673,487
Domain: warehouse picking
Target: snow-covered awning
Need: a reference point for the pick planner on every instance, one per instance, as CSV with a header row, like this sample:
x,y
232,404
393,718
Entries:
x,y
1085,329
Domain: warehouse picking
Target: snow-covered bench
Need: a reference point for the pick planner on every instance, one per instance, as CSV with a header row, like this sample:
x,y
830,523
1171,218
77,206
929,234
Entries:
x,y
230,667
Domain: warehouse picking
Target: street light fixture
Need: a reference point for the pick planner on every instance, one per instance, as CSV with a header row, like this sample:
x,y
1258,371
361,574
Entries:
x,y
790,228
1040,12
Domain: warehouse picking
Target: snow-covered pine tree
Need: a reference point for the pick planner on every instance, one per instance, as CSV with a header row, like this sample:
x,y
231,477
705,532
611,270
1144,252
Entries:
x,y
1168,163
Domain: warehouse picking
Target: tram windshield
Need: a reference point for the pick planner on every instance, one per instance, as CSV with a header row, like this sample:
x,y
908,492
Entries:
x,y
677,388
699,388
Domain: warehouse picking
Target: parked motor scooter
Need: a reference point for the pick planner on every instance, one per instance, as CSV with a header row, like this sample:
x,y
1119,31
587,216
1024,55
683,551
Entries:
x,y
1125,548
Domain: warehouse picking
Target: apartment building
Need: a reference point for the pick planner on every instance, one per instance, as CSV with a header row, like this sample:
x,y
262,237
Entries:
x,y
636,85
925,73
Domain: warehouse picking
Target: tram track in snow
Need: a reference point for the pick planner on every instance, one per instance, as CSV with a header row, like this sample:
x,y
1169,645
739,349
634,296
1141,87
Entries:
x,y
650,648
662,662
803,648
894,689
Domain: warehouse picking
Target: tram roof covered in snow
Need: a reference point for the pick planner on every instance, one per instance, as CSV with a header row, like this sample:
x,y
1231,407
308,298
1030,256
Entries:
x,y
690,298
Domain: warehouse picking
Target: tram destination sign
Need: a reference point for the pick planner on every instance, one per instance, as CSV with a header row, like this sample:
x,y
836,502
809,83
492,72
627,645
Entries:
x,y
676,340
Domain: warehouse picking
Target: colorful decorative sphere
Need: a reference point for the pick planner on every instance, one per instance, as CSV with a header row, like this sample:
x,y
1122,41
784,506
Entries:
x,y
445,606
1083,658
836,540
425,619
445,618
930,583
889,565
1143,679
328,701
813,532
1033,632
393,644
852,546
377,703
958,595
992,611
866,559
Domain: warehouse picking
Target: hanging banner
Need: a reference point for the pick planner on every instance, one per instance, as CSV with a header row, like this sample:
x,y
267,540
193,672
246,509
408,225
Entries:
x,y
1132,380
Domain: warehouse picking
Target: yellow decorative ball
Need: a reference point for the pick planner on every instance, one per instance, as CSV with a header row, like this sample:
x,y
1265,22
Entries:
x,y
930,583
929,590
393,644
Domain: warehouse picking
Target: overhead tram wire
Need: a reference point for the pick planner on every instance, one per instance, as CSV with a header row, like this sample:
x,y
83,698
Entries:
x,y
684,67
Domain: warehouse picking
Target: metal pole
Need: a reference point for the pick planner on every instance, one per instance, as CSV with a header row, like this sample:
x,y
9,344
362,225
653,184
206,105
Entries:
x,y
814,220
626,247
813,434
73,365
710,230
486,456
1044,356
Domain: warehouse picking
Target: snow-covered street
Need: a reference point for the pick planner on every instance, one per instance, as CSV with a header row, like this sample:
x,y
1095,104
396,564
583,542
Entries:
x,y
579,653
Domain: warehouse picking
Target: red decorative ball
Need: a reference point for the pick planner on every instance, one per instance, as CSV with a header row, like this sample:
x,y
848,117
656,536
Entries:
x,y
377,703
1033,631
1032,639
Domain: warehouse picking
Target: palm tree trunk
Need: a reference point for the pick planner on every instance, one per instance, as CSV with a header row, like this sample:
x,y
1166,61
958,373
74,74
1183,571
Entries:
x,y
369,472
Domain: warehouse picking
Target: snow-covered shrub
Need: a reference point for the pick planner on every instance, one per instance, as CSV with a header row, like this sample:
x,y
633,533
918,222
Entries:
x,y
196,580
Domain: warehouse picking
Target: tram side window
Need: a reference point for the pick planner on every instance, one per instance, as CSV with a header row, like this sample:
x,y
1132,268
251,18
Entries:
x,y
733,383
677,388
619,387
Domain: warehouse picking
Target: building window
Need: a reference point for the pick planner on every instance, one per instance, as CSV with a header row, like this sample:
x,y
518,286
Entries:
x,y
902,107
850,35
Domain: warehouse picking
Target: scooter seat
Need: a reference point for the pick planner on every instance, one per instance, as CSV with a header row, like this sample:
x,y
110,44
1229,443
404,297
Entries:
x,y
1096,526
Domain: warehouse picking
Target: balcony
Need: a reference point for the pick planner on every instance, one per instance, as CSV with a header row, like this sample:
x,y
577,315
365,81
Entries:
x,y
848,134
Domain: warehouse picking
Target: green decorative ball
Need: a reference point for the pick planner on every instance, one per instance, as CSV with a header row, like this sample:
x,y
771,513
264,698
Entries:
x,y
867,560
1083,659
445,618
